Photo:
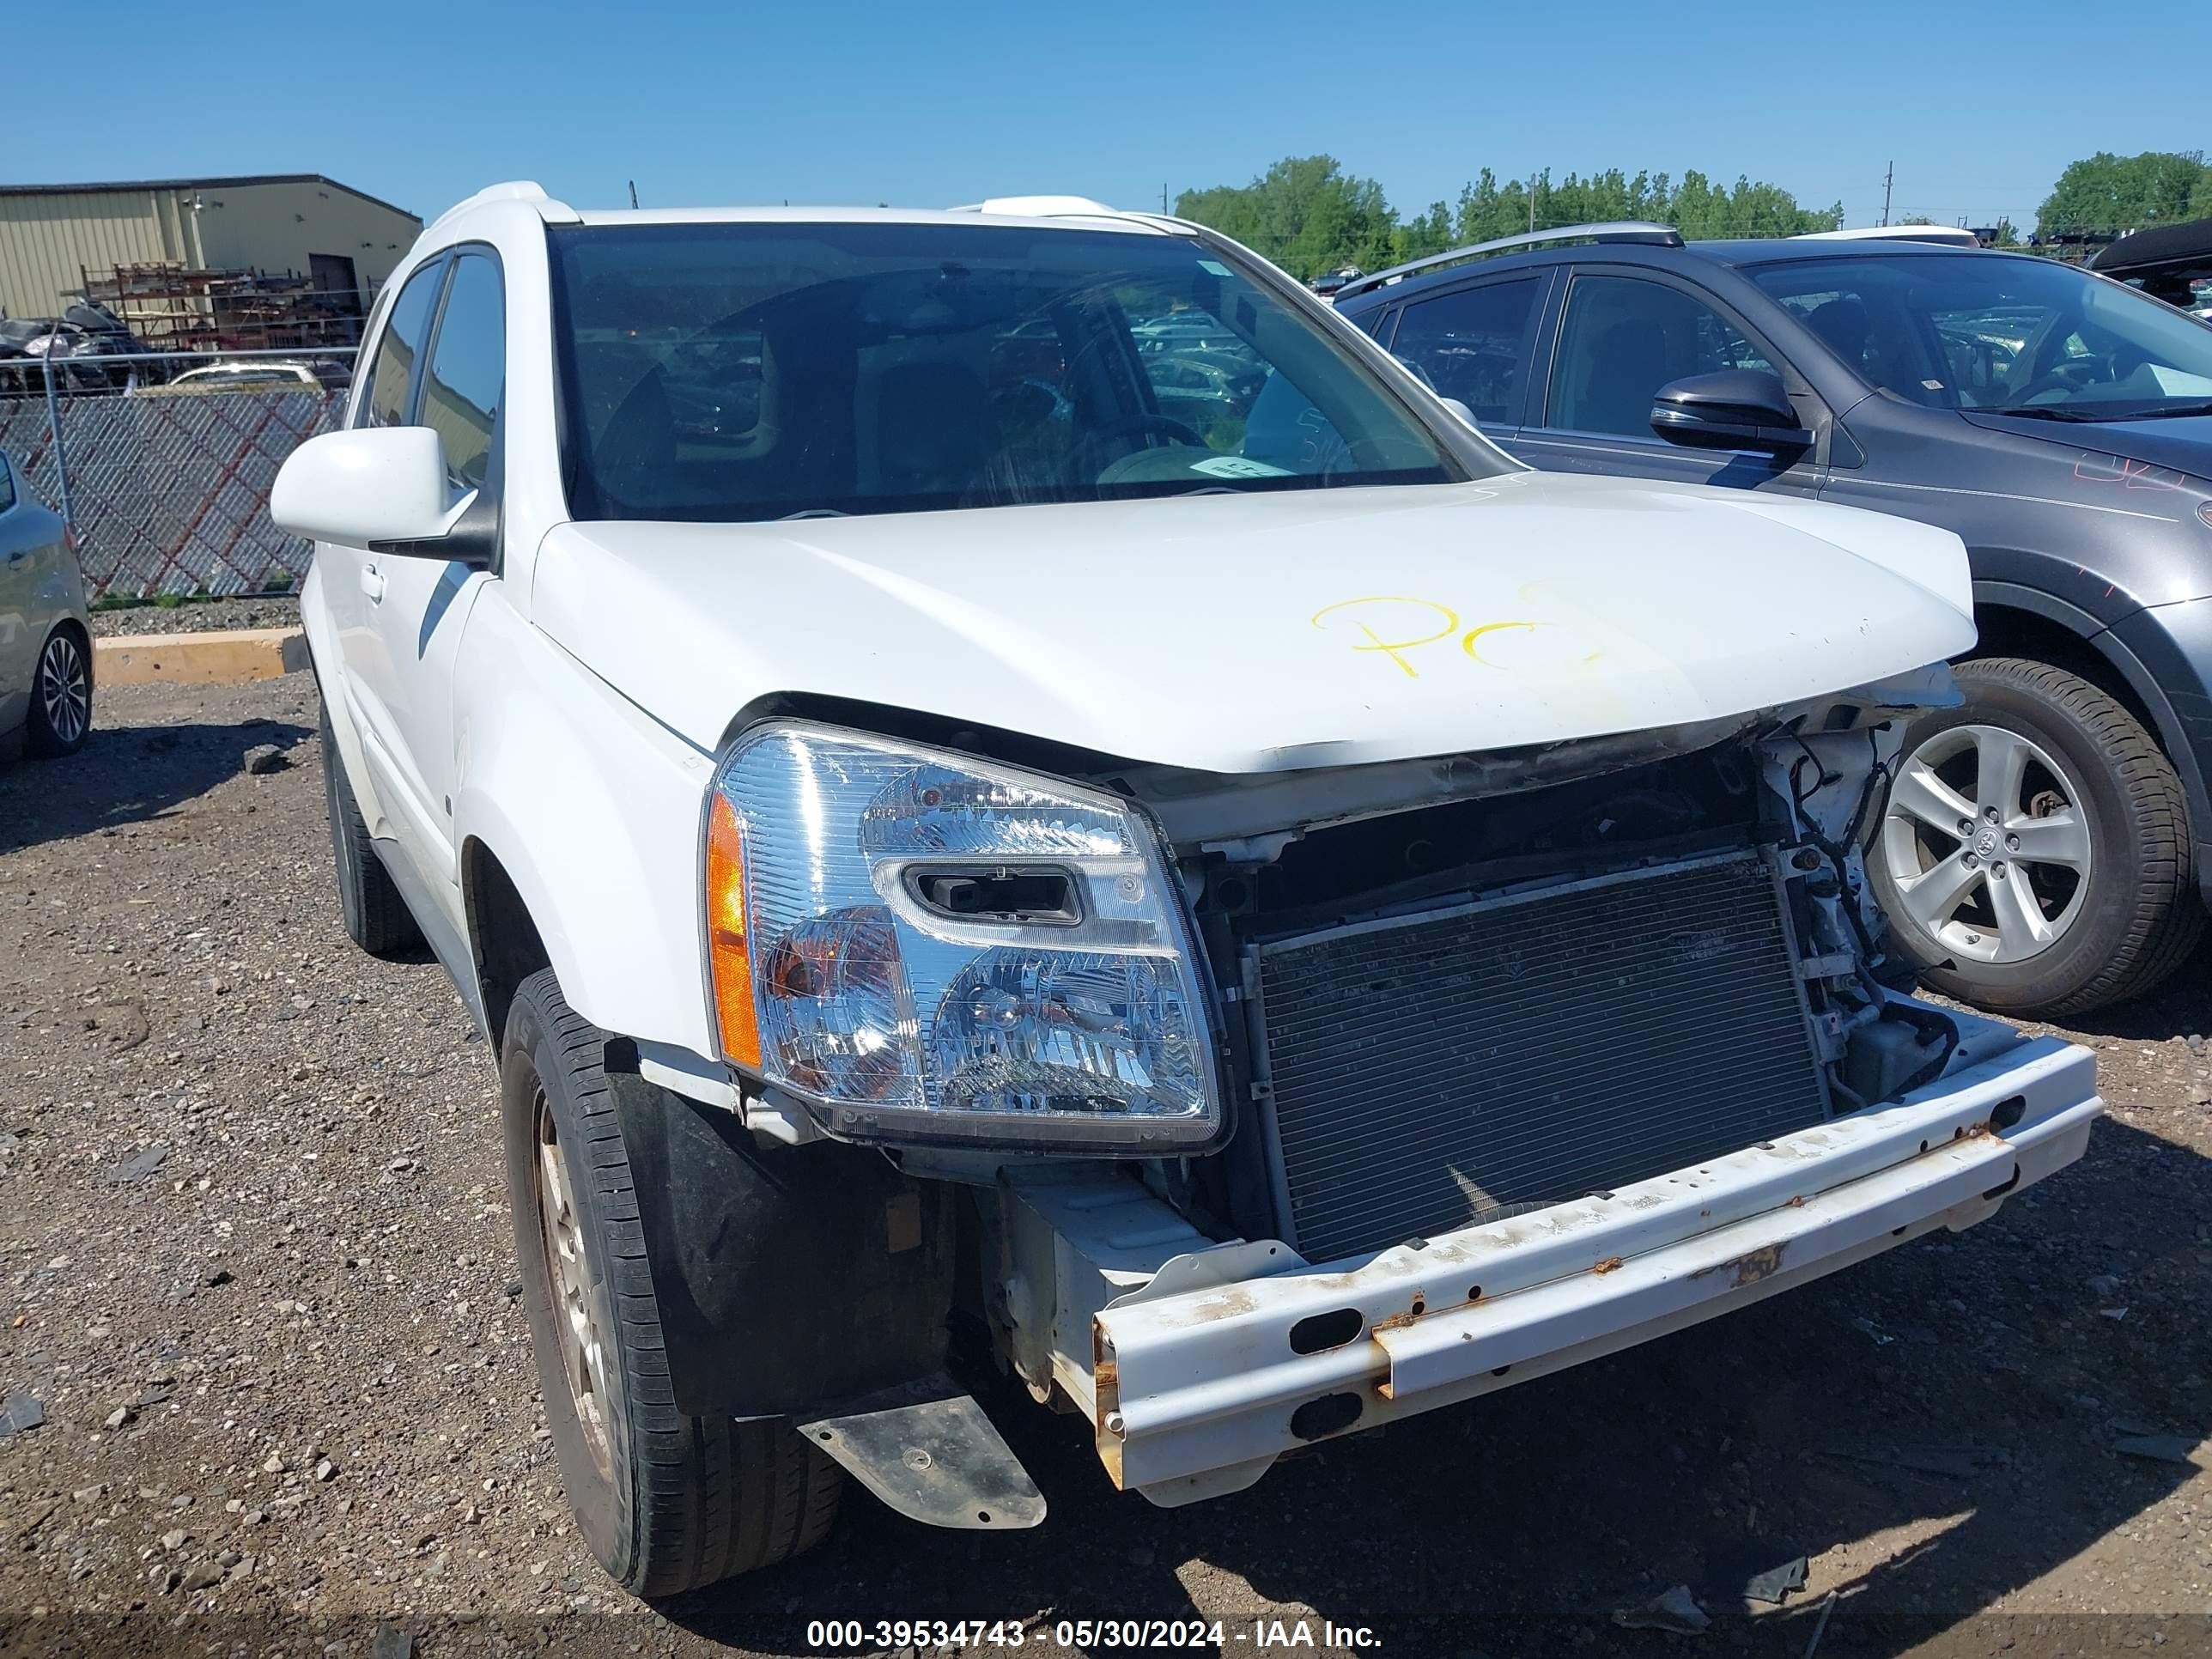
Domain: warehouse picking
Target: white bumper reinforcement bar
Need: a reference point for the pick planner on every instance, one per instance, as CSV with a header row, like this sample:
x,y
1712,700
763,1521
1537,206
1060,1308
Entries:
x,y
1205,1362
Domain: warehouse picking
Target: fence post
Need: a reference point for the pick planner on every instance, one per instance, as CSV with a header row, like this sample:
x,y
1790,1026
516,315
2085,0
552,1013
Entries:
x,y
54,427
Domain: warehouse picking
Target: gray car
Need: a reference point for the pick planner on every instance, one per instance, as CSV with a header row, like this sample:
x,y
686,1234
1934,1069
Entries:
x,y
45,641
2047,848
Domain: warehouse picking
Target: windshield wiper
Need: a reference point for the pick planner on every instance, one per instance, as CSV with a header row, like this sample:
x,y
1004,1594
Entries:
x,y
814,513
2062,412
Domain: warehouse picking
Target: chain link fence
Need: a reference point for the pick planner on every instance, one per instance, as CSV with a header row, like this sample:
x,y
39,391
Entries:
x,y
165,478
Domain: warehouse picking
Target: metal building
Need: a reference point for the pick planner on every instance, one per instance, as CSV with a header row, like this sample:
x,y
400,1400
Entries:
x,y
55,237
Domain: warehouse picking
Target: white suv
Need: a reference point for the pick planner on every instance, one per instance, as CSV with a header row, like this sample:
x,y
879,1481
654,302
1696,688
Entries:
x,y
1285,919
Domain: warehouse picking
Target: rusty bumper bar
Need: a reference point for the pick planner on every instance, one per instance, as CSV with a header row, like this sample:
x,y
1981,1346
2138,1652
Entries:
x,y
1226,1357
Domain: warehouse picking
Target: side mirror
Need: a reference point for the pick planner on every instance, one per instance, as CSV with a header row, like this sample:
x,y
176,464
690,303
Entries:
x,y
1736,409
382,487
1460,410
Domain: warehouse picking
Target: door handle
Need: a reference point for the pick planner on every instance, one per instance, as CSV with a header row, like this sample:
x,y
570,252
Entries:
x,y
372,583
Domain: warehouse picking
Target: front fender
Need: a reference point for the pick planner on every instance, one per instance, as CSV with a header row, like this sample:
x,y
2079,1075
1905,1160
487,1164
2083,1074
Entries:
x,y
593,810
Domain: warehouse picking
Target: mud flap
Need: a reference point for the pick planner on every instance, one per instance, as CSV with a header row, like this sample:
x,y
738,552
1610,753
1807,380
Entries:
x,y
927,1450
788,1279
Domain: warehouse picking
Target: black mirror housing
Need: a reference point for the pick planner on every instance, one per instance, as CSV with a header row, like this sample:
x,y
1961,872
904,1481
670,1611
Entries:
x,y
1736,408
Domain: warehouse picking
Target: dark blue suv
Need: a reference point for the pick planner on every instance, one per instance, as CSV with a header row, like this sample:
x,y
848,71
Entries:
x,y
2047,848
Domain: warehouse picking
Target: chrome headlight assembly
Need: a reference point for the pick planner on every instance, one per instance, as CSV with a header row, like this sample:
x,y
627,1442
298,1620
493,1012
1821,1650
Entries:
x,y
931,948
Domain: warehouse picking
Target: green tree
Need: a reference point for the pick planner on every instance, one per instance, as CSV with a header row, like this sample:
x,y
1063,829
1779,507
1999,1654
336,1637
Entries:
x,y
2108,193
1423,234
1304,213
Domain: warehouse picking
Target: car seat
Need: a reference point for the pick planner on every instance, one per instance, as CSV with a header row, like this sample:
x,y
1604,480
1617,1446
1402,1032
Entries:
x,y
1628,368
932,430
1843,327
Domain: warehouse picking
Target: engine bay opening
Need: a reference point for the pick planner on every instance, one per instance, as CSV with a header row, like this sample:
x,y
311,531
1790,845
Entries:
x,y
1480,1007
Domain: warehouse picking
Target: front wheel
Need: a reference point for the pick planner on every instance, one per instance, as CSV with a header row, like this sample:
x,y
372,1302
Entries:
x,y
2034,854
668,1502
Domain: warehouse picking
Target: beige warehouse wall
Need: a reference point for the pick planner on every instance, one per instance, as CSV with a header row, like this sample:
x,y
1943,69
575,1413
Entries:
x,y
46,241
274,228
49,239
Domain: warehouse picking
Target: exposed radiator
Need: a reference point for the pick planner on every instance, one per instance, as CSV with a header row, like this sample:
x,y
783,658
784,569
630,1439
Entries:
x,y
1430,1070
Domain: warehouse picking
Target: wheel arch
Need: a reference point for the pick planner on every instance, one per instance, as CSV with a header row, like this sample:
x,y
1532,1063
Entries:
x,y
76,628
505,945
2024,621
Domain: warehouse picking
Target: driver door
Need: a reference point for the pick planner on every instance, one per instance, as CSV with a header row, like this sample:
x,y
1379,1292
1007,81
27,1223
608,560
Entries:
x,y
416,608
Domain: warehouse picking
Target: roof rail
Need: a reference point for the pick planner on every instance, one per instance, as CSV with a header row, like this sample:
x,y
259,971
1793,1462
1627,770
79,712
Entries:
x,y
1619,230
519,190
1945,235
1040,207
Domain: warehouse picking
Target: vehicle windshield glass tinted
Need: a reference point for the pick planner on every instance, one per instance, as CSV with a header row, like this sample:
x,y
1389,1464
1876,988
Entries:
x,y
743,372
1983,331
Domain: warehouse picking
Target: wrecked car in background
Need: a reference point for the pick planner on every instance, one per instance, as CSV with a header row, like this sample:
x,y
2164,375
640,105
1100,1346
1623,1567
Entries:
x,y
1279,931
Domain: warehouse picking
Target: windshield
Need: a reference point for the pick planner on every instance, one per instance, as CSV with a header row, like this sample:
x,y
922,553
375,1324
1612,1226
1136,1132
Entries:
x,y
1986,331
744,372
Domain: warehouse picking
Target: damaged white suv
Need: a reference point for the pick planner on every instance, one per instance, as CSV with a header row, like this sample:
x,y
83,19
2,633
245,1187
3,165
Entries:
x,y
1008,763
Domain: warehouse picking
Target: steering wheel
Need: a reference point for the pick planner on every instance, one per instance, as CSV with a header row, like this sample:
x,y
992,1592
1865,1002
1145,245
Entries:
x,y
2067,374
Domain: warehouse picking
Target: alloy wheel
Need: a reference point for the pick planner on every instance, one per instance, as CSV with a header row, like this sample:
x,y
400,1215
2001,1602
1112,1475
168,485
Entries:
x,y
579,1310
1987,843
64,689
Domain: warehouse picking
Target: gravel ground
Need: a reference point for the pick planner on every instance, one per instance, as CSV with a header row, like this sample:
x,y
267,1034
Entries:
x,y
198,616
255,1271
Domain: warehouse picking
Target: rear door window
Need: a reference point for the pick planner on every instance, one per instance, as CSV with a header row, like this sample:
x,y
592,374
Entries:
x,y
1622,339
393,372
1473,345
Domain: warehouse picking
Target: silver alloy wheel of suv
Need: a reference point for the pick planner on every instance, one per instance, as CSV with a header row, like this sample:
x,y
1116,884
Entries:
x,y
1989,852
580,1312
2097,899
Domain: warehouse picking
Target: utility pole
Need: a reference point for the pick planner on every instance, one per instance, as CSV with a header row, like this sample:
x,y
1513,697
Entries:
x,y
1163,199
633,192
1532,201
1888,180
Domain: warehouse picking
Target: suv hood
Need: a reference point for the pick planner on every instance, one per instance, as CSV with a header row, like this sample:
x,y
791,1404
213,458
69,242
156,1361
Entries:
x,y
1264,632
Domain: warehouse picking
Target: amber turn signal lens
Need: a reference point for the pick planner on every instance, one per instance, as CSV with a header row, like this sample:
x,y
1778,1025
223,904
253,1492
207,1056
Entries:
x,y
729,954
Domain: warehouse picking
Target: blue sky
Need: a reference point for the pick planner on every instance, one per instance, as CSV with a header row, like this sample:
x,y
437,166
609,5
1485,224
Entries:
x,y
935,104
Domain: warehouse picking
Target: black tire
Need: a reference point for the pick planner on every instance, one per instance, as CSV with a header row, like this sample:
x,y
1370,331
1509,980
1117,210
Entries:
x,y
2141,915
61,694
666,1502
376,918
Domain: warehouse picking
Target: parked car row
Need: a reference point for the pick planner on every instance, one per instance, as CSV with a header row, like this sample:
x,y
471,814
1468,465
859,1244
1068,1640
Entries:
x,y
1304,920
97,352
2046,847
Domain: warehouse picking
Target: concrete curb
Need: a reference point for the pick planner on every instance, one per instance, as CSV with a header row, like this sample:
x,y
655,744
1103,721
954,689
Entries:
x,y
216,658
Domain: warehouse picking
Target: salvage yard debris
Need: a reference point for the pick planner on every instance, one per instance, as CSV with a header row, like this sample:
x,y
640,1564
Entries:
x,y
140,1166
19,1414
2159,1448
1674,1611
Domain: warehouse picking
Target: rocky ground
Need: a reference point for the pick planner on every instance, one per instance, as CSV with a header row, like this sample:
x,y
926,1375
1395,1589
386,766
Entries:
x,y
198,616
265,1386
